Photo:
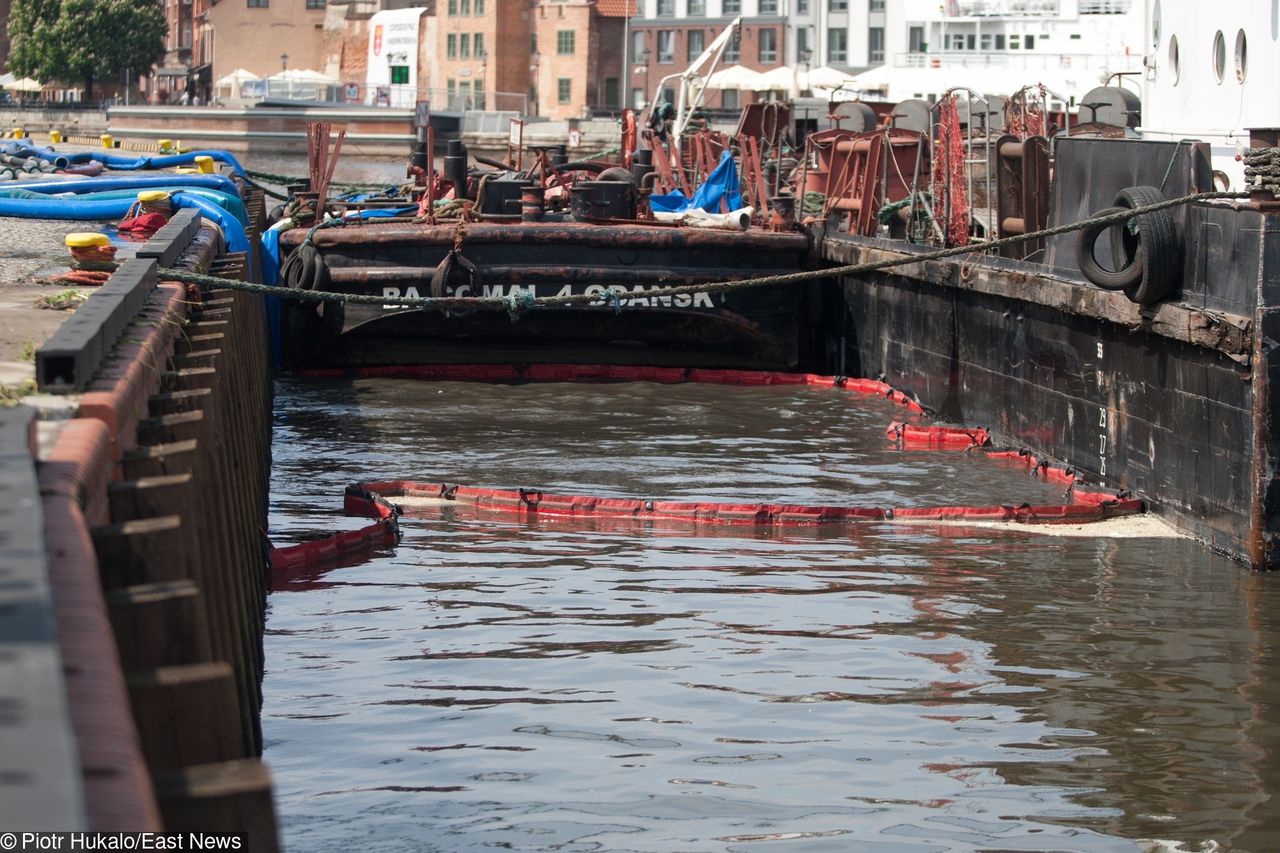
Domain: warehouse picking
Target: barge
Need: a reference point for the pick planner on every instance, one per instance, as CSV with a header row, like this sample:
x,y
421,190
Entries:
x,y
958,253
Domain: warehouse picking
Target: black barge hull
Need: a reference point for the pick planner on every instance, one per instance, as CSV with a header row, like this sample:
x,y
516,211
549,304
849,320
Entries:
x,y
1172,402
772,327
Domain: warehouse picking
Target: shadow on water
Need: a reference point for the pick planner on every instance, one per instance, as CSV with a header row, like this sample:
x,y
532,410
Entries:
x,y
501,683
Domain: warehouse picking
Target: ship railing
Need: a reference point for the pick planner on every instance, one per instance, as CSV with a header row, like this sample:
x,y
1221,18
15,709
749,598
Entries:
x,y
1030,61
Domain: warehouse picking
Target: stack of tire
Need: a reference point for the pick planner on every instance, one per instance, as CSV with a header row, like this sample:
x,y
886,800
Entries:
x,y
1145,250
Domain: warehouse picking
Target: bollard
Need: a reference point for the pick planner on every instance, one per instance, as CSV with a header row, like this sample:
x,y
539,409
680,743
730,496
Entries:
x,y
55,136
19,133
531,204
205,164
106,140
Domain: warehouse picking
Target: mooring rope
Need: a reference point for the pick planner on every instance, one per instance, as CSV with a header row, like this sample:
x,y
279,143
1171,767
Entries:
x,y
519,301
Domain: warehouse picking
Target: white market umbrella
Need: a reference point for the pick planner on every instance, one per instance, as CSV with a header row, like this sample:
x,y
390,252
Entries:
x,y
299,84
23,84
733,77
782,77
826,77
229,86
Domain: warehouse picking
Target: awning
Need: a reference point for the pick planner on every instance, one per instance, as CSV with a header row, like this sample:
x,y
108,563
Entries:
x,y
177,71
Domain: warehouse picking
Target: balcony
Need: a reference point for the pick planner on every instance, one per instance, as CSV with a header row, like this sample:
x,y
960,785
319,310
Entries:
x,y
1017,60
1008,8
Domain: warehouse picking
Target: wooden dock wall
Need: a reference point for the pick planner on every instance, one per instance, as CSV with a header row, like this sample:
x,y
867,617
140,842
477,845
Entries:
x,y
154,501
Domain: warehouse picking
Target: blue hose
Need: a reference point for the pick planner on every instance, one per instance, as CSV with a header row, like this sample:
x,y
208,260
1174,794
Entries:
x,y
134,182
74,208
120,162
226,201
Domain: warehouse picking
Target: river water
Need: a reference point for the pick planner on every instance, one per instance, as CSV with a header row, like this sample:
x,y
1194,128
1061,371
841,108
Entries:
x,y
495,683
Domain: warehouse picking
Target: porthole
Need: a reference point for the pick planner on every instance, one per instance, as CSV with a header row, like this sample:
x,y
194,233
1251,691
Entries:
x,y
1242,56
1175,66
1219,56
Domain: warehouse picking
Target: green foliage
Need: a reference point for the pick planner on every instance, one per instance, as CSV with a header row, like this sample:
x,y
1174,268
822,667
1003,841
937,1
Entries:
x,y
80,41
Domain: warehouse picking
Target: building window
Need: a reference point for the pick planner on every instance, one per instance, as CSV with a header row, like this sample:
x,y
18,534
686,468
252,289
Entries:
x,y
464,7
729,99
666,47
477,93
985,42
837,45
802,43
837,5
533,43
451,46
564,42
453,8
915,39
451,88
666,8
876,6
732,50
399,75
637,47
479,7
1029,42
697,8
731,7
184,41
1015,42
563,88
768,47
999,41
315,4
875,45
464,45
768,7
637,99
257,4
478,42
696,41
802,7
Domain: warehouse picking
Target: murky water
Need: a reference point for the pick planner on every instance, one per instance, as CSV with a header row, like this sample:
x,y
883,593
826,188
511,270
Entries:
x,y
557,686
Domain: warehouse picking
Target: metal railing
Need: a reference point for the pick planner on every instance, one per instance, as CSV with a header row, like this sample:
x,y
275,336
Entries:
x,y
994,59
397,96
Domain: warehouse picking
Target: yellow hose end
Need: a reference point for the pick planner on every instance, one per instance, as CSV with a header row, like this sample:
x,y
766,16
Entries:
x,y
86,240
148,196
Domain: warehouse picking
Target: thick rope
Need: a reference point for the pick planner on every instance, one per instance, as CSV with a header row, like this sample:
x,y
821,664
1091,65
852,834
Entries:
x,y
614,299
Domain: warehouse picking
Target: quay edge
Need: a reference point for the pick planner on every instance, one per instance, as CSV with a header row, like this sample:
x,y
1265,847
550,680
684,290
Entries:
x,y
137,667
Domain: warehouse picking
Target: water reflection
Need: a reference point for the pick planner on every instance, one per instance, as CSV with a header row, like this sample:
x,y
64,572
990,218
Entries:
x,y
558,686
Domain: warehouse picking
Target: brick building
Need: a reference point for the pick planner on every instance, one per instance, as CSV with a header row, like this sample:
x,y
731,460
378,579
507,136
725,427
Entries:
x,y
481,52
669,34
262,36
576,64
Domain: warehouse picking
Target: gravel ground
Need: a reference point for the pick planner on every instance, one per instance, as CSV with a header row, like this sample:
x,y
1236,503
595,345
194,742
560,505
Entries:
x,y
31,250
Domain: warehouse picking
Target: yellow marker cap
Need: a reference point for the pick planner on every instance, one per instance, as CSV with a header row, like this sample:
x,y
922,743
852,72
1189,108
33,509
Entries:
x,y
153,195
205,164
86,239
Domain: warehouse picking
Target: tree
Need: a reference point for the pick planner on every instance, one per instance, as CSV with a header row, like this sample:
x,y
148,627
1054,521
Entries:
x,y
85,40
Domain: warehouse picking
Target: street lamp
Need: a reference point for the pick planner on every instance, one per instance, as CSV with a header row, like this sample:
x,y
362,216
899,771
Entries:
x,y
284,62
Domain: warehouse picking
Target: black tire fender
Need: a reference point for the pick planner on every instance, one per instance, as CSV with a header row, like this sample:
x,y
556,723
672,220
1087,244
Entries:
x,y
1128,275
1158,246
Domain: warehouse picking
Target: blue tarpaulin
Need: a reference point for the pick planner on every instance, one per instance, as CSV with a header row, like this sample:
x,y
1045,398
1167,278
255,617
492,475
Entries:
x,y
720,185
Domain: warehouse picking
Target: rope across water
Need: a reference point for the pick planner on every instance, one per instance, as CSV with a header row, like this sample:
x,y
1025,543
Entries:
x,y
519,301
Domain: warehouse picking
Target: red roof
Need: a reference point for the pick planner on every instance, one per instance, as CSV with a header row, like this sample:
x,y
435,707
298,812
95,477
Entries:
x,y
616,8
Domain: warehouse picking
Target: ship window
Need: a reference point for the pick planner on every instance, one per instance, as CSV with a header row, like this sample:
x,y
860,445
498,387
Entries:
x,y
1219,56
1175,66
1030,42
1242,56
